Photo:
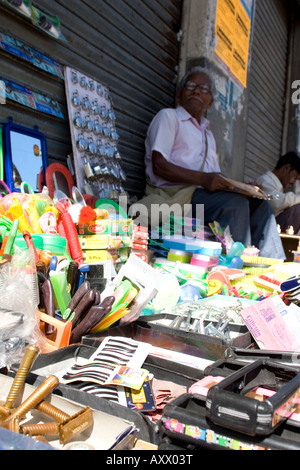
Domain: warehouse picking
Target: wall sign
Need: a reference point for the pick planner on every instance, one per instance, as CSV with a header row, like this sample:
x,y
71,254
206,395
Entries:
x,y
19,49
31,99
233,32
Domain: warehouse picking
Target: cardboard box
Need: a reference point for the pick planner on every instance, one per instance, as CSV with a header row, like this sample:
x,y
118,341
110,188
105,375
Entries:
x,y
121,227
104,242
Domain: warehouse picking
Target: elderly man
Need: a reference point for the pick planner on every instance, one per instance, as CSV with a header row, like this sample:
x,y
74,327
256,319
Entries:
x,y
182,168
286,204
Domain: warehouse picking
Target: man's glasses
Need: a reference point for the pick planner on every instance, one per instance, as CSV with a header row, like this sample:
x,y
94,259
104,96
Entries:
x,y
191,86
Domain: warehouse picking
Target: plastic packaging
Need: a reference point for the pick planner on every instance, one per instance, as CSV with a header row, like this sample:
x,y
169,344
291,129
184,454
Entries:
x,y
19,299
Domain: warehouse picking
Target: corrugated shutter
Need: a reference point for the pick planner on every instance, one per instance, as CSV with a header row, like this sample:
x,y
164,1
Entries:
x,y
267,87
130,46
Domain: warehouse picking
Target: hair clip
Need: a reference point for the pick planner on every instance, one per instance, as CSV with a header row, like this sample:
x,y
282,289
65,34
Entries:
x,y
74,78
92,85
83,82
114,135
86,105
101,148
76,101
89,124
100,90
111,115
104,113
106,132
78,121
82,144
92,147
98,128
95,107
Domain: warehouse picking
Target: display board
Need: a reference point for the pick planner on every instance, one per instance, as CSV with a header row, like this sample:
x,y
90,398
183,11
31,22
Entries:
x,y
97,160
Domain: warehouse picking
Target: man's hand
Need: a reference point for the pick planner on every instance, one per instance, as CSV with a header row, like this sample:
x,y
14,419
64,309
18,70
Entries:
x,y
215,182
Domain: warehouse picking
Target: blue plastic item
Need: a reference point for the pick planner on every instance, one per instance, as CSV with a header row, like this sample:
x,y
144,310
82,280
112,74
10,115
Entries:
x,y
14,441
233,258
193,245
189,292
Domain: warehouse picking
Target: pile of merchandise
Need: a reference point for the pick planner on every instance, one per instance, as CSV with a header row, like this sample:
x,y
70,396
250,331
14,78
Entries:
x,y
90,283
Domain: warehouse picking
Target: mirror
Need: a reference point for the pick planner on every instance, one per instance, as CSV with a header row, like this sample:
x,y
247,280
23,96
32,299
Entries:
x,y
25,153
77,196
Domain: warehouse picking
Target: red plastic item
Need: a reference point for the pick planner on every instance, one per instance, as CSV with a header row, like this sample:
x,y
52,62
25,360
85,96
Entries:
x,y
71,234
49,176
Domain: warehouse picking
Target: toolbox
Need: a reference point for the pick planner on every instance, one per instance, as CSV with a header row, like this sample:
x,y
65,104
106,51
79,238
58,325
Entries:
x,y
55,362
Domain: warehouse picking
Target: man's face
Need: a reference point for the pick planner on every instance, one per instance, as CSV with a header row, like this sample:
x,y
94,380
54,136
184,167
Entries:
x,y
290,176
196,101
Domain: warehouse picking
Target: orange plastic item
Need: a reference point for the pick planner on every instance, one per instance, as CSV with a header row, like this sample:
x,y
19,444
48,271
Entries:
x,y
63,333
219,276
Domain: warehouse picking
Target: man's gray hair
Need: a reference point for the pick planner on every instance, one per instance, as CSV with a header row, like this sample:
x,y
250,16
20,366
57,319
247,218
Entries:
x,y
197,69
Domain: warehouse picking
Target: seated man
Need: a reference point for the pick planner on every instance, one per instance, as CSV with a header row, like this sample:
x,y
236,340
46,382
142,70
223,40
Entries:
x,y
182,167
285,205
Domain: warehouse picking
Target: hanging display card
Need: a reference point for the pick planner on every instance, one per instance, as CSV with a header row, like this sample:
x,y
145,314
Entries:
x,y
97,161
30,99
233,31
25,52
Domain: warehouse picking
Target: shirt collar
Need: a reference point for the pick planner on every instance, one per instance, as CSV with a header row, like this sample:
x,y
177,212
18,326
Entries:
x,y
275,179
185,116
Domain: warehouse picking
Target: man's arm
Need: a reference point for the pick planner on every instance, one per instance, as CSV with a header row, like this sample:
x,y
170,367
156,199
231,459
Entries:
x,y
179,175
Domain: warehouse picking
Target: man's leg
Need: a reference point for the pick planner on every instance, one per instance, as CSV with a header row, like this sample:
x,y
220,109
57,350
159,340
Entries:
x,y
264,233
251,221
229,209
290,217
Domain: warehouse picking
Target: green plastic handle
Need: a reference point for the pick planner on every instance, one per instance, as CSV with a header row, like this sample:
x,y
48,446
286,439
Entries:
x,y
11,237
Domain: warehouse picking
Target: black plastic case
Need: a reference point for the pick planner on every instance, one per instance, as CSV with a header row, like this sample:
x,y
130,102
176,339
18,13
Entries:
x,y
185,425
243,338
227,404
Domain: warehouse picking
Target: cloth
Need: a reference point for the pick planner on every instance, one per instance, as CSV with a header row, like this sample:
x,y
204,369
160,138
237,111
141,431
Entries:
x,y
181,140
273,187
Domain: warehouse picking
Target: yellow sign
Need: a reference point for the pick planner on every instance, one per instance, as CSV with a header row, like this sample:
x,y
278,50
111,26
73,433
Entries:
x,y
233,30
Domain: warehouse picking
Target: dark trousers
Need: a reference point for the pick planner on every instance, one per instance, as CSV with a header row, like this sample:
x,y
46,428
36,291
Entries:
x,y
290,217
251,221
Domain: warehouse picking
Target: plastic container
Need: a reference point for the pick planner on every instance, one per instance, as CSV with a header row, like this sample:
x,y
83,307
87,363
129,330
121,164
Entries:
x,y
54,243
181,256
204,261
194,245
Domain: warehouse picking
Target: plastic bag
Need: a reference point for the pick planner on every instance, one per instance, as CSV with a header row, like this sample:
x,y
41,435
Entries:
x,y
19,300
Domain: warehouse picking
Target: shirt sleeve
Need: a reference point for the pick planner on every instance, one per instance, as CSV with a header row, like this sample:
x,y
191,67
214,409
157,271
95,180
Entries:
x,y
281,200
162,133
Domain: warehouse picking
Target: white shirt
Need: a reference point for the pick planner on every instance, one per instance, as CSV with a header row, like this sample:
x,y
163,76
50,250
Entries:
x,y
181,140
272,186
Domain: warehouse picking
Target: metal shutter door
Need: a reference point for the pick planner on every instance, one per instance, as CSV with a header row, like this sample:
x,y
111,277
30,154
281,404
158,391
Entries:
x,y
129,45
267,87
